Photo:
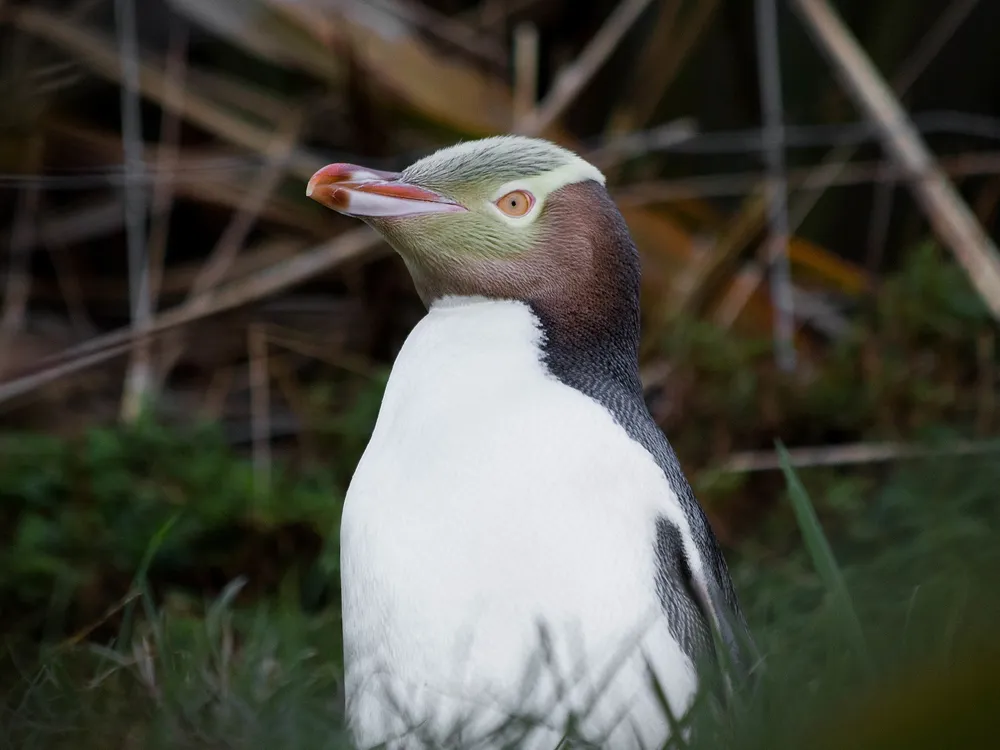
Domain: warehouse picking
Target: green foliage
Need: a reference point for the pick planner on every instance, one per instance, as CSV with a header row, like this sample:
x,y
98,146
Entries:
x,y
910,364
262,677
74,514
917,601
931,296
822,556
871,592
918,552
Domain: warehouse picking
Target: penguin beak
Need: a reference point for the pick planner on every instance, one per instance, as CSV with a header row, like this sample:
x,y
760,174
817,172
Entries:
x,y
371,193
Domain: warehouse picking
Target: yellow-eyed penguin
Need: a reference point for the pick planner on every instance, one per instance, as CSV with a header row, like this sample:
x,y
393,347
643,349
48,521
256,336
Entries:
x,y
518,538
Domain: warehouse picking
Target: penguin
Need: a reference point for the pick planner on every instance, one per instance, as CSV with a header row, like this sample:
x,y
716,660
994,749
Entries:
x,y
519,545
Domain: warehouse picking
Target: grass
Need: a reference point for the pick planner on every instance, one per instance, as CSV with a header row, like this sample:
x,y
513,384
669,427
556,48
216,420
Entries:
x,y
880,633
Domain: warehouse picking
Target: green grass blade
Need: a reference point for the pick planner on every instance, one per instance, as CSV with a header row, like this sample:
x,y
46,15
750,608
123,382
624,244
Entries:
x,y
822,556
139,580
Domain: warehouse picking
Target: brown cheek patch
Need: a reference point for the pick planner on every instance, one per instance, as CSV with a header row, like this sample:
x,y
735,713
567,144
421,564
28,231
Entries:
x,y
594,265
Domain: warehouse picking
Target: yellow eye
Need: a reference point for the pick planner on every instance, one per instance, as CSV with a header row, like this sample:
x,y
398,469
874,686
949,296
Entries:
x,y
516,203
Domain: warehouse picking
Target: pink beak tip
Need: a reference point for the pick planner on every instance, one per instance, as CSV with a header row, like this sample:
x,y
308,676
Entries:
x,y
333,174
359,191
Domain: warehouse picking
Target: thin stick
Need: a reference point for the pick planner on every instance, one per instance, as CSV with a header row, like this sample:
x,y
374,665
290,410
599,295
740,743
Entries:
x,y
81,224
986,385
92,50
801,179
18,286
168,155
835,161
22,238
167,158
525,71
490,14
927,49
284,378
666,49
235,233
769,73
71,290
279,336
854,454
451,29
224,254
218,391
932,43
878,228
201,172
348,246
948,214
137,379
572,80
260,407
28,383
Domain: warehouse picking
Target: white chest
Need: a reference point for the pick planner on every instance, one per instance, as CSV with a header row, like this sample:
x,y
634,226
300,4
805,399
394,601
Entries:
x,y
491,501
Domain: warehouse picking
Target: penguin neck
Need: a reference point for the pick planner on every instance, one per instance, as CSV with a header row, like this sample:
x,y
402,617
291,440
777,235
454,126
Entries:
x,y
590,319
596,360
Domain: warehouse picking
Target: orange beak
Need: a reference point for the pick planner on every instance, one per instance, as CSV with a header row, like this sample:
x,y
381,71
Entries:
x,y
362,192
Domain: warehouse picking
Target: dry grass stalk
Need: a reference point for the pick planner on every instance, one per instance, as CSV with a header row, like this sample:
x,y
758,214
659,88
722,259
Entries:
x,y
986,385
141,368
571,81
71,290
138,376
668,46
948,214
217,392
314,348
93,50
525,72
735,236
17,289
226,250
434,85
837,160
769,73
853,454
260,406
167,156
418,79
854,173
266,29
347,246
97,52
454,31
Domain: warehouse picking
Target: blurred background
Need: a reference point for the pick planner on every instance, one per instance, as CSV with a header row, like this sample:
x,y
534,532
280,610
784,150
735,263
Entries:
x,y
192,354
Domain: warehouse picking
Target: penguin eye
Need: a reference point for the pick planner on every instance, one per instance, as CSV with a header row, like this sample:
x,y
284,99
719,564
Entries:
x,y
516,203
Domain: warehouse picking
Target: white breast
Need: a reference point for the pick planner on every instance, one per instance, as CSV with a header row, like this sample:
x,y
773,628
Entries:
x,y
491,500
